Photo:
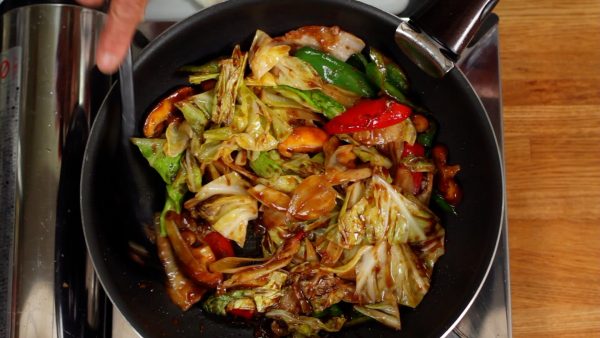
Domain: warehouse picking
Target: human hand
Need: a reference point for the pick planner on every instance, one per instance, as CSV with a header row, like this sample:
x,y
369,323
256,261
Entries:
x,y
119,28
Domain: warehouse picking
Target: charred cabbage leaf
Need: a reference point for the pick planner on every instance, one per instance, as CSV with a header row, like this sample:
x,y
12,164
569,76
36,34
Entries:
x,y
226,89
396,263
384,213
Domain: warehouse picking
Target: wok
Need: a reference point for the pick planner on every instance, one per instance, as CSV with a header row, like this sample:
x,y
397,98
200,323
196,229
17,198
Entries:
x,y
120,193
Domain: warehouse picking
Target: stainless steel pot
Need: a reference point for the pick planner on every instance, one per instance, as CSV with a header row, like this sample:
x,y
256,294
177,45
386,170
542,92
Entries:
x,y
49,91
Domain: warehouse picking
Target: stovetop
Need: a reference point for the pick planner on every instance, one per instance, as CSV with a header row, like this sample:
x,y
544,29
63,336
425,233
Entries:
x,y
490,313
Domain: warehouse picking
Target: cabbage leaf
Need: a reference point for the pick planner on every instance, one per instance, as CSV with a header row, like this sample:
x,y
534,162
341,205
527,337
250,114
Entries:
x,y
385,214
303,326
396,263
226,89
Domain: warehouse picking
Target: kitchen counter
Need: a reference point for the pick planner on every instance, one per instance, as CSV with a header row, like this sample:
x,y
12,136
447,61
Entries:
x,y
550,59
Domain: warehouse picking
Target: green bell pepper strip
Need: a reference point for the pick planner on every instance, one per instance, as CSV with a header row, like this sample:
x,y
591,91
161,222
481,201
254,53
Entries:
x,y
332,311
443,204
337,72
379,62
426,138
358,61
389,72
377,72
396,77
152,149
315,99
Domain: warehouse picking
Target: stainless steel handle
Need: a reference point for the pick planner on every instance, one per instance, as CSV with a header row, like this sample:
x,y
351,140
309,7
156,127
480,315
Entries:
x,y
435,38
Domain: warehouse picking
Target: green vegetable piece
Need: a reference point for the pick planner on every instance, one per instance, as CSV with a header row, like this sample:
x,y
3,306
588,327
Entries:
x,y
394,92
443,204
333,311
226,88
318,158
370,154
199,78
379,65
267,165
396,77
174,199
204,102
218,134
375,74
210,67
315,99
218,304
303,165
337,72
152,150
357,318
304,326
192,114
426,138
358,61
378,73
197,110
193,172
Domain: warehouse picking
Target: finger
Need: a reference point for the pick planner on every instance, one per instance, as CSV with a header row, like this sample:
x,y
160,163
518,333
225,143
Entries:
x,y
91,3
123,18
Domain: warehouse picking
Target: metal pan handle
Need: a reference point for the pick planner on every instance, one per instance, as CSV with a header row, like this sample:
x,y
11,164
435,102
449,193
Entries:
x,y
435,37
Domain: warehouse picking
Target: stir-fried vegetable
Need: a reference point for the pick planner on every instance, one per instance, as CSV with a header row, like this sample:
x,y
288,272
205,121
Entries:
x,y
337,72
369,115
290,143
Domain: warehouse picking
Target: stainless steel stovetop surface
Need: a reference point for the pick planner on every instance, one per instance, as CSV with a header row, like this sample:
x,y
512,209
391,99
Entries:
x,y
490,313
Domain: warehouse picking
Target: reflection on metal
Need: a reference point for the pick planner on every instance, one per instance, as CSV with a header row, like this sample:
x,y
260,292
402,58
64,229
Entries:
x,y
490,314
422,50
59,91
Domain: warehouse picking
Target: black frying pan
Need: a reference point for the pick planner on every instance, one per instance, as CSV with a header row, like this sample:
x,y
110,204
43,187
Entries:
x,y
120,193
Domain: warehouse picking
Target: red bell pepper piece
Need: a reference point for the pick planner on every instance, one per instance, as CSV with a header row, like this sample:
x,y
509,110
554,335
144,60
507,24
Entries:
x,y
368,115
242,313
415,150
417,178
299,235
219,245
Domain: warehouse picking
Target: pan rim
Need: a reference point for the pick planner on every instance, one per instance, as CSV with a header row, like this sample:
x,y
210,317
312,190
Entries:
x,y
102,270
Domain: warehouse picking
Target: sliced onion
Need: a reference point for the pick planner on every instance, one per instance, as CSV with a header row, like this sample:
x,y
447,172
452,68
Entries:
x,y
270,197
310,252
232,264
351,263
352,175
194,267
249,274
182,291
386,313
313,198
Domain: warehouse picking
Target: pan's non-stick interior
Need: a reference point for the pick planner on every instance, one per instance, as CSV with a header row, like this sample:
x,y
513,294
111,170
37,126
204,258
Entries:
x,y
120,193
